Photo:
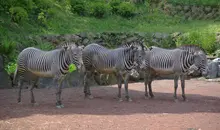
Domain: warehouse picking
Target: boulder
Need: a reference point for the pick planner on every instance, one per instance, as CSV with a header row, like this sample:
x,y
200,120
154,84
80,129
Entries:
x,y
213,70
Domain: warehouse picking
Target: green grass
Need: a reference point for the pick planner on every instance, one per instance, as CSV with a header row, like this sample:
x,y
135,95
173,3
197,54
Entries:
x,y
67,23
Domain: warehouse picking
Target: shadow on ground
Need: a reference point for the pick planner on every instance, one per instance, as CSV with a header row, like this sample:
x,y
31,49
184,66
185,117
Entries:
x,y
106,103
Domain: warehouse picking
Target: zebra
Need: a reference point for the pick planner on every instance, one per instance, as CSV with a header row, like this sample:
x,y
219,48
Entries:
x,y
120,62
194,48
33,63
160,61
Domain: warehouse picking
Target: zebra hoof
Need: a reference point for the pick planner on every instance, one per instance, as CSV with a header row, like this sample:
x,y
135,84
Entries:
x,y
59,106
129,100
35,104
176,100
19,103
89,97
120,100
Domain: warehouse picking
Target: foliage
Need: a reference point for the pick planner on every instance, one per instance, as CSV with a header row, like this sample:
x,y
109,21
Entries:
x,y
205,40
196,2
99,9
42,18
126,9
18,14
114,4
79,7
6,47
11,67
45,46
44,4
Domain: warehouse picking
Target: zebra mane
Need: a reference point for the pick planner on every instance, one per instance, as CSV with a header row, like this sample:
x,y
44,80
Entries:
x,y
136,43
195,48
67,45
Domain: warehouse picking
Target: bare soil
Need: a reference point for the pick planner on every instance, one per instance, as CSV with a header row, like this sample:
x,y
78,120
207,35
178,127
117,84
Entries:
x,y
104,112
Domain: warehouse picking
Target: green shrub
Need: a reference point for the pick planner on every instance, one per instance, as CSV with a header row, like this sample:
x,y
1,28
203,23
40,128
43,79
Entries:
x,y
205,40
78,7
26,4
18,14
44,4
42,18
99,10
196,2
126,9
45,46
11,67
7,47
5,4
114,4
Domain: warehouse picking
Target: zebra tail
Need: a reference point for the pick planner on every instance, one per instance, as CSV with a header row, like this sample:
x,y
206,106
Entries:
x,y
15,77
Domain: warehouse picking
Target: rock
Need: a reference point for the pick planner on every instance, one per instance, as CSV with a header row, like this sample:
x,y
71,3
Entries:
x,y
5,78
74,79
213,70
186,8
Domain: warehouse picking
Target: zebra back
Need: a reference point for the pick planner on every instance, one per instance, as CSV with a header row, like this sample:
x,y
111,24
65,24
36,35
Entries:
x,y
137,43
192,48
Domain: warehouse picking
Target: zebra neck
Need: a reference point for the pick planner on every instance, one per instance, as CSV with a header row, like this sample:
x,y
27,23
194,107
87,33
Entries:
x,y
65,62
128,61
187,61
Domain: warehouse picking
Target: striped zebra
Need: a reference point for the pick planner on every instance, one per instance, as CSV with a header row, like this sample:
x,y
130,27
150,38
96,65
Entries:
x,y
120,62
192,49
33,63
160,61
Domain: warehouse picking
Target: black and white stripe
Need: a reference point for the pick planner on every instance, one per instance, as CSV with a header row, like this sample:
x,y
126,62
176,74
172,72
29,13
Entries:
x,y
119,61
170,61
54,63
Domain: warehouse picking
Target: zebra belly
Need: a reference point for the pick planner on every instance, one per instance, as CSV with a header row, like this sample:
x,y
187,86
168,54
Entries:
x,y
163,71
107,70
42,74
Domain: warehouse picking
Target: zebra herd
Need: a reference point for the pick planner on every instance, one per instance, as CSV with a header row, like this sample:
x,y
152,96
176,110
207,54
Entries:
x,y
128,59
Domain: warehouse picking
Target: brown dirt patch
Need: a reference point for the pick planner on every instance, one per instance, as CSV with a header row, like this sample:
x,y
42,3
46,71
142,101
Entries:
x,y
201,111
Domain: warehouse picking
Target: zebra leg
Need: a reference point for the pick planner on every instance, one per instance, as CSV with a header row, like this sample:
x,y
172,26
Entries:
x,y
175,87
182,77
58,94
32,94
146,83
126,87
150,88
20,85
86,85
119,87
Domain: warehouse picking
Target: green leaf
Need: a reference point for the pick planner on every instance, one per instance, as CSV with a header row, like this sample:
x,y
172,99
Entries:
x,y
72,67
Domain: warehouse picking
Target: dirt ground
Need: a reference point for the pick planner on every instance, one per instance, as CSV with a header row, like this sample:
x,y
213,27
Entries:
x,y
104,112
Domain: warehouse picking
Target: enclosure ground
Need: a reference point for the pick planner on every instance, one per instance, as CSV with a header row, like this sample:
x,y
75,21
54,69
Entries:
x,y
104,112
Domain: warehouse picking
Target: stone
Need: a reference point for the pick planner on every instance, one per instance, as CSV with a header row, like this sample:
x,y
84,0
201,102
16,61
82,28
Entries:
x,y
213,70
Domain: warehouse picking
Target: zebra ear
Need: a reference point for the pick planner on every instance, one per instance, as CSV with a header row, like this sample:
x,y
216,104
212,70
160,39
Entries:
x,y
65,48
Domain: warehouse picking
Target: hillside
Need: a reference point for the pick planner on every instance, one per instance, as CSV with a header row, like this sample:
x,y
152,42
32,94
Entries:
x,y
20,19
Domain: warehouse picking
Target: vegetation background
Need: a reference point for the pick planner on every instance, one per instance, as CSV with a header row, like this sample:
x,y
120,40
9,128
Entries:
x,y
21,19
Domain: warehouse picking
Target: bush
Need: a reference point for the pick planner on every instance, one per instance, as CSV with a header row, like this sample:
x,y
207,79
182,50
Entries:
x,y
44,4
205,40
42,18
18,14
99,10
126,10
78,7
114,6
7,47
11,67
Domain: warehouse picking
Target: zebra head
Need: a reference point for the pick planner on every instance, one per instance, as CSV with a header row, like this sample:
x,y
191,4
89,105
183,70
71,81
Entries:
x,y
200,61
75,54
